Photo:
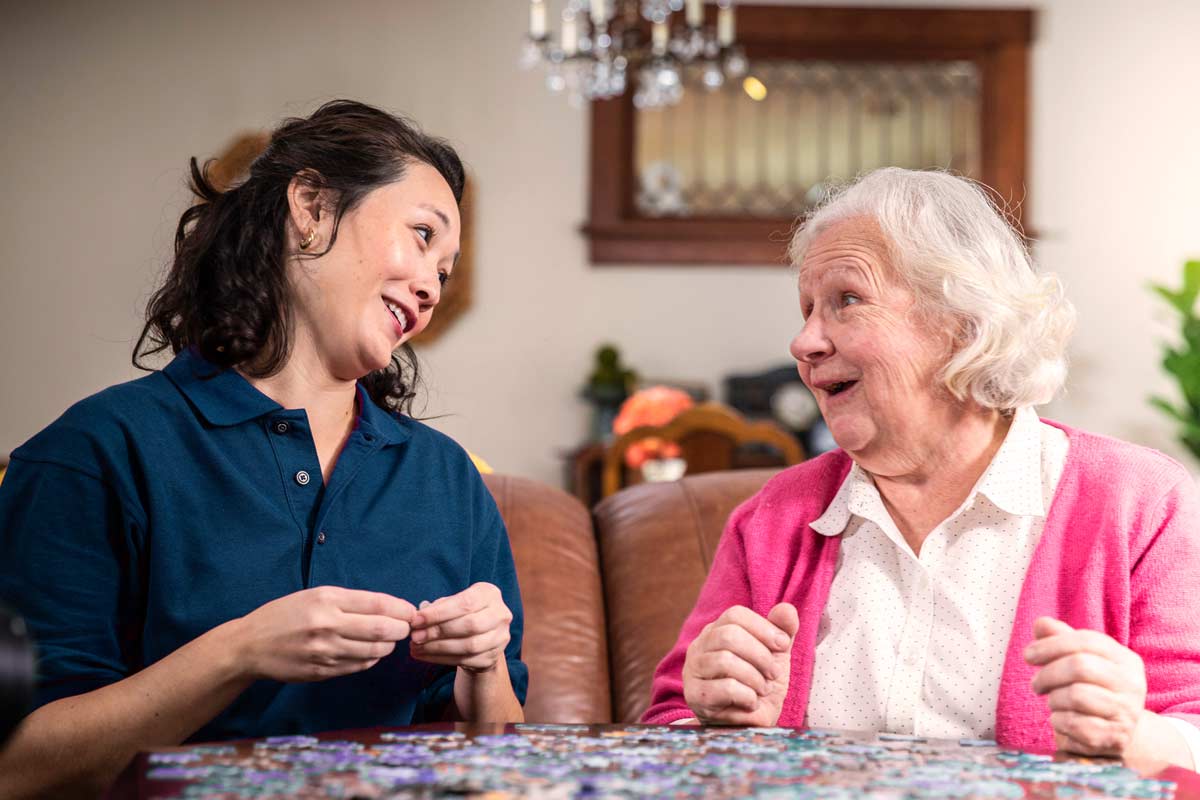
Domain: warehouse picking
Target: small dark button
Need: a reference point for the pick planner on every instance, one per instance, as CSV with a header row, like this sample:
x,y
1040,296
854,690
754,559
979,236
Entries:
x,y
302,478
281,427
368,437
321,537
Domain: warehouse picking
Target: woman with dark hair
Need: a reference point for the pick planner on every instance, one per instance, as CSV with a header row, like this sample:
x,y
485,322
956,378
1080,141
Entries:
x,y
259,539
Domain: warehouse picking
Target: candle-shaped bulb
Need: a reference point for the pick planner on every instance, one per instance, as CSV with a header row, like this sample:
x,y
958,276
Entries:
x,y
537,19
570,33
599,12
725,25
695,13
660,34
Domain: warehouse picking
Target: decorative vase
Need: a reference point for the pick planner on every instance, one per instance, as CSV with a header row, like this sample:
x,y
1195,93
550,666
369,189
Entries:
x,y
606,403
656,470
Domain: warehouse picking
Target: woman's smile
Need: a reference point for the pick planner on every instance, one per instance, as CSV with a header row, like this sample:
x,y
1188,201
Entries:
x,y
402,319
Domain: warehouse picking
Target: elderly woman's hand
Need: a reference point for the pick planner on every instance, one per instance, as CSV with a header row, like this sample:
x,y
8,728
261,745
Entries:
x,y
1096,688
736,671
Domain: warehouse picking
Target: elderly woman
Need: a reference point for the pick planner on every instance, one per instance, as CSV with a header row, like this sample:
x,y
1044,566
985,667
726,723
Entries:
x,y
258,539
959,567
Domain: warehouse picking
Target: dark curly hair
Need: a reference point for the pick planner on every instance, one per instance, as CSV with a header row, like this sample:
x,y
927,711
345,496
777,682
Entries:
x,y
226,292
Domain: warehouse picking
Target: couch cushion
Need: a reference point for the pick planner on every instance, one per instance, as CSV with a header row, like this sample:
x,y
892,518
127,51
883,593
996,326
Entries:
x,y
656,545
565,644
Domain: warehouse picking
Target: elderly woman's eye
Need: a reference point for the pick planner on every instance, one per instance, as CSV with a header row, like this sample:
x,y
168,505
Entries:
x,y
849,299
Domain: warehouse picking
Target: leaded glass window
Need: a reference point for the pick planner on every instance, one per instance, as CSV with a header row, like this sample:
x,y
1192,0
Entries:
x,y
723,153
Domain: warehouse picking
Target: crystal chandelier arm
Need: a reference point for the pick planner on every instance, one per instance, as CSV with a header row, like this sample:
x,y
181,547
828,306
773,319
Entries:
x,y
601,42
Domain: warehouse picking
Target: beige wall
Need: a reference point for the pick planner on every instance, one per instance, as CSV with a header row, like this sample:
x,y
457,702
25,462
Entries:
x,y
103,103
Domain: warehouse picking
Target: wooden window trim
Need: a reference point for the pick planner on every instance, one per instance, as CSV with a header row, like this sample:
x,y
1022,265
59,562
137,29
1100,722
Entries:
x,y
996,40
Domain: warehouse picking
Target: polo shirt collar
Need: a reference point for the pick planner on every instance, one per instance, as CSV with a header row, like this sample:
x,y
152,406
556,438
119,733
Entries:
x,y
376,421
222,396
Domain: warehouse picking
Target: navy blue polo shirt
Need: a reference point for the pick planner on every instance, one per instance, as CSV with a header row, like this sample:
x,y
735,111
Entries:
x,y
160,508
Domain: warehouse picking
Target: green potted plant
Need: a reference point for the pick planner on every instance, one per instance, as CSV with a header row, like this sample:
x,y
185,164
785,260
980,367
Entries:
x,y
609,383
1182,361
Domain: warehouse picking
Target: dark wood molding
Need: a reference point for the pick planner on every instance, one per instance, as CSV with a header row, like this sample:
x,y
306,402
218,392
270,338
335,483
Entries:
x,y
898,27
996,40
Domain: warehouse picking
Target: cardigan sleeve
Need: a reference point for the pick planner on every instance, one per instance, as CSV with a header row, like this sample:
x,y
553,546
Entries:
x,y
727,584
1164,604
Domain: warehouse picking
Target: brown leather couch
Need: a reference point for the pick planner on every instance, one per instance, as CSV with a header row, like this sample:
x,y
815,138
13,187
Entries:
x,y
606,594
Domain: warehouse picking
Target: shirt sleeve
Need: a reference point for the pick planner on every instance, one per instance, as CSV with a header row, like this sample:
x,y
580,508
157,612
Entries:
x,y
1191,735
491,562
1165,611
68,545
727,584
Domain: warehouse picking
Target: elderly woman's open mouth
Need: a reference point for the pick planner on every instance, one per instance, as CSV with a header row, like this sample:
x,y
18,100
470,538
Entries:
x,y
834,388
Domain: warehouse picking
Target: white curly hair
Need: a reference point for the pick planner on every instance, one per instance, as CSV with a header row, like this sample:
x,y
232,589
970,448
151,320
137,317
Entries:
x,y
964,263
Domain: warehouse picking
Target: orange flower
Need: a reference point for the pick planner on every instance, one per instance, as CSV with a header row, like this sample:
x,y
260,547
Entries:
x,y
657,405
649,448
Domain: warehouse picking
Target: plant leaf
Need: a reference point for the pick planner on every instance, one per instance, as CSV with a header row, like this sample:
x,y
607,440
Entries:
x,y
1163,405
1183,360
1191,284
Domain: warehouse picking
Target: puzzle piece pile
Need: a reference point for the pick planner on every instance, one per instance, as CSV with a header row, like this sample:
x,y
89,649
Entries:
x,y
569,761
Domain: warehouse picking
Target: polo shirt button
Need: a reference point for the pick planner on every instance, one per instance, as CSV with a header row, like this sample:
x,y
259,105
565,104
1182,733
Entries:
x,y
302,478
321,537
281,427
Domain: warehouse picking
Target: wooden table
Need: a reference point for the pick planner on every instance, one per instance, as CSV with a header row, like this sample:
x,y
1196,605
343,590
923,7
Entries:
x,y
725,762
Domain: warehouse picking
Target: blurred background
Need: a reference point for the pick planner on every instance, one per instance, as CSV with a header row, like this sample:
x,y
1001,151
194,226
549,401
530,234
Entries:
x,y
103,103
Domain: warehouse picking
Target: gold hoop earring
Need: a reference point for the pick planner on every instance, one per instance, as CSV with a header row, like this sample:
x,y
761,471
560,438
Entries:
x,y
307,241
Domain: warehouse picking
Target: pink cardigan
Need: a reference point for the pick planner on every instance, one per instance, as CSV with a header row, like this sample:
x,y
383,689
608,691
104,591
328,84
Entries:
x,y
1119,553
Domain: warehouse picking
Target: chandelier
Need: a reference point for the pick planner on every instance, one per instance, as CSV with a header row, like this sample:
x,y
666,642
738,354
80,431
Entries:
x,y
603,46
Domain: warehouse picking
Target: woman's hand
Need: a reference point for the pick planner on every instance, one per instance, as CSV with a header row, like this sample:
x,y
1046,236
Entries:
x,y
736,671
1095,686
468,629
321,633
